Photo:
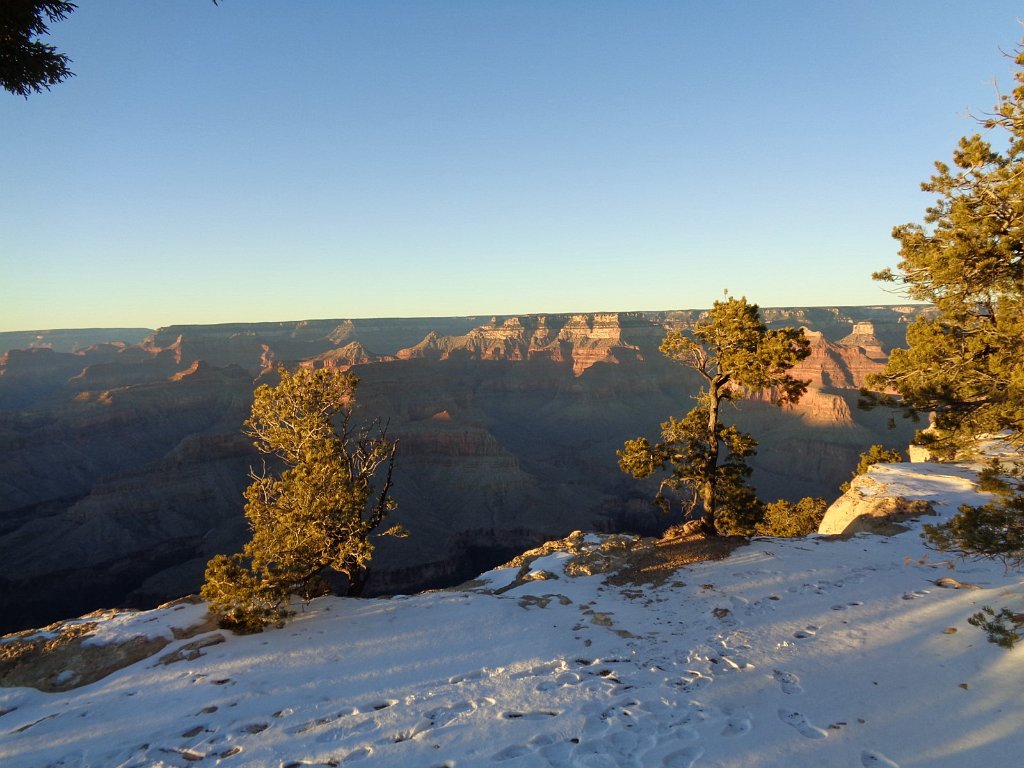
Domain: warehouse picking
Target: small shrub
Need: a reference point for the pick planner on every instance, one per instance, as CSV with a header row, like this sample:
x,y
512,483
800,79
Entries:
x,y
787,519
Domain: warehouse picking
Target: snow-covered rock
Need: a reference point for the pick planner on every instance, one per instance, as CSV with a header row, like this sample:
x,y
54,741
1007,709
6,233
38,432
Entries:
x,y
73,653
881,500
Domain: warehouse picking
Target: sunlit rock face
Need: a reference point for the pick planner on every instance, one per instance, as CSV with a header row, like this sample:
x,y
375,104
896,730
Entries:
x,y
863,337
581,340
122,465
870,506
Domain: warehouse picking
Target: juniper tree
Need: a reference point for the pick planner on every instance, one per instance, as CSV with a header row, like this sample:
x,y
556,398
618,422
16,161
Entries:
x,y
737,356
318,514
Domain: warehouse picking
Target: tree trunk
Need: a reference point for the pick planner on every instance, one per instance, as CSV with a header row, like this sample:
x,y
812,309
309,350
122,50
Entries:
x,y
357,582
707,491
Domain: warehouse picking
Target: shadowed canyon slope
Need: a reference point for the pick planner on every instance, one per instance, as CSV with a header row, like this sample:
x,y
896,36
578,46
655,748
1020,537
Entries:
x,y
122,464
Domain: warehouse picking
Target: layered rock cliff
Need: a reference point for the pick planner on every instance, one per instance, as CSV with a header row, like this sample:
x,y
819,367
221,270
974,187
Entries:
x,y
581,340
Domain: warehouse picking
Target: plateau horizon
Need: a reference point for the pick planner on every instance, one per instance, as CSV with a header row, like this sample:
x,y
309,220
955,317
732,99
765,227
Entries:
x,y
476,316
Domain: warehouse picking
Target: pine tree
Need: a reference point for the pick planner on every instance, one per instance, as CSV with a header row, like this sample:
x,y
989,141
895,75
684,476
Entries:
x,y
963,361
737,356
317,515
28,65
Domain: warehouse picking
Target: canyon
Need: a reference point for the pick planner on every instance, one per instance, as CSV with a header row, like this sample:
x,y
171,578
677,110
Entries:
x,y
122,460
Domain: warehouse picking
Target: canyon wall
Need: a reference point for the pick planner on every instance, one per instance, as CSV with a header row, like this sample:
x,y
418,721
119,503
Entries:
x,y
122,464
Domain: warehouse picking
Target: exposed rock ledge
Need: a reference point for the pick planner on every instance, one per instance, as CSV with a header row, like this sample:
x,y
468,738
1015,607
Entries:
x,y
622,558
73,653
868,507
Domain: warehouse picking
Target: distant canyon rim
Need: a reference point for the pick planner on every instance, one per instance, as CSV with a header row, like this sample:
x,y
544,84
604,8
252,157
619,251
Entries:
x,y
122,458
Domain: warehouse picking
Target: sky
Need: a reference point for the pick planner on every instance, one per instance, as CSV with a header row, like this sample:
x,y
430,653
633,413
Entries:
x,y
264,160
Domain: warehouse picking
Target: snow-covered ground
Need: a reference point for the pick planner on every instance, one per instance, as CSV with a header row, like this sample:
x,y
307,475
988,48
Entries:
x,y
803,652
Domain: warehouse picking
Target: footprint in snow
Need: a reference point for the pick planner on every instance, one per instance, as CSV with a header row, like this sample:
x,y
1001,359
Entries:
x,y
732,661
807,632
876,760
684,758
510,753
735,641
366,725
915,594
558,752
358,754
543,740
630,742
594,754
841,607
737,723
534,715
788,682
738,601
540,669
563,680
441,716
694,716
800,723
479,674
322,721
694,681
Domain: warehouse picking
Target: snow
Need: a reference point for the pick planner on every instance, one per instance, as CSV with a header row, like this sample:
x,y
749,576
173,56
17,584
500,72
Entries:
x,y
114,627
149,624
800,652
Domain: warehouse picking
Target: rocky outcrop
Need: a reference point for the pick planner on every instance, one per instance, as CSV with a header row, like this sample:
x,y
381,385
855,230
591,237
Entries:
x,y
581,340
257,347
494,340
863,337
345,357
868,508
842,365
599,339
69,654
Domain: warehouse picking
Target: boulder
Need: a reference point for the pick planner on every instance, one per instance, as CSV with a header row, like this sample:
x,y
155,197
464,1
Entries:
x,y
863,510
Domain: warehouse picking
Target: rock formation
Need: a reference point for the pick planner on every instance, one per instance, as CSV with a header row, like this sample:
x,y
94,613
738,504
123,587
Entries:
x,y
870,506
582,340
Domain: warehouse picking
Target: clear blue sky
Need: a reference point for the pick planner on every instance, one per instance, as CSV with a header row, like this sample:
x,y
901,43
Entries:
x,y
272,160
